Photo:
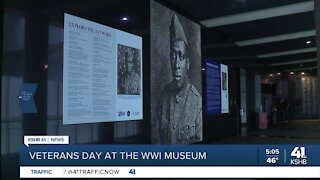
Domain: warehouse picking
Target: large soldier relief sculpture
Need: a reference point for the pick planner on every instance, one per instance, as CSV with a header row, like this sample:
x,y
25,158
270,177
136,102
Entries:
x,y
178,114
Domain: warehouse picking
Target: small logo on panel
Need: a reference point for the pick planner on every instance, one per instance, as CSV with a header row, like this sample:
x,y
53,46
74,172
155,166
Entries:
x,y
128,113
135,113
121,113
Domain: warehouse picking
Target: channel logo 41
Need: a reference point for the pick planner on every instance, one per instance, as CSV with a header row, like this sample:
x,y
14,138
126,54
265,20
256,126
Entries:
x,y
298,156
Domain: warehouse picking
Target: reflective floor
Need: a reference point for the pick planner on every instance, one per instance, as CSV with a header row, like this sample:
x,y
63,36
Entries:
x,y
292,132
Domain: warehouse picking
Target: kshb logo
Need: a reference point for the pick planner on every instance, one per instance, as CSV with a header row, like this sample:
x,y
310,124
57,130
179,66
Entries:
x,y
298,155
299,152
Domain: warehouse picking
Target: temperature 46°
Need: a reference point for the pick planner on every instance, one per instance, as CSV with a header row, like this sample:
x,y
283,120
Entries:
x,y
272,160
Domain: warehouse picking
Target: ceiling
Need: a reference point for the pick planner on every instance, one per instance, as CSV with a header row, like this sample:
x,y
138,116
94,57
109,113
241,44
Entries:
x,y
266,35
270,34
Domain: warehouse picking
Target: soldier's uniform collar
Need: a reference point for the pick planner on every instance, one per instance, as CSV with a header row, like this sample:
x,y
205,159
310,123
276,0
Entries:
x,y
172,88
184,89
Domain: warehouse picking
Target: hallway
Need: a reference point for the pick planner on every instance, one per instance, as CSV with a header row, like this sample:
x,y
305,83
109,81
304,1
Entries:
x,y
295,132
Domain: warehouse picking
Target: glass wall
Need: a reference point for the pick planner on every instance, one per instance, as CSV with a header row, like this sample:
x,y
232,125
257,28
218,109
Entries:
x,y
33,53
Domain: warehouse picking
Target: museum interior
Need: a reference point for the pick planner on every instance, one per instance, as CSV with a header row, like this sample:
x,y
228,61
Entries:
x,y
269,48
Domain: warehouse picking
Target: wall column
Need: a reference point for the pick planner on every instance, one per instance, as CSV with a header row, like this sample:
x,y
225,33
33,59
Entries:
x,y
317,18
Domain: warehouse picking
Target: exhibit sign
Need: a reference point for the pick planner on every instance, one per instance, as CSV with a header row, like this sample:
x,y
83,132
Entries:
x,y
224,89
217,92
102,77
26,98
213,87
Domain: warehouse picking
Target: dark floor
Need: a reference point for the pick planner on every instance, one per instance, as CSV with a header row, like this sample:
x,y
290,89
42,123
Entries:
x,y
292,132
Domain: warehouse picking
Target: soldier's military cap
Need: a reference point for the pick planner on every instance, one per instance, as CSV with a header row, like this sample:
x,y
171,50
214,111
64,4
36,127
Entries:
x,y
176,30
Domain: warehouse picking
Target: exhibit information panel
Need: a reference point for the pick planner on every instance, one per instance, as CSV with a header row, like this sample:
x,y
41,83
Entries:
x,y
213,88
224,89
102,77
217,91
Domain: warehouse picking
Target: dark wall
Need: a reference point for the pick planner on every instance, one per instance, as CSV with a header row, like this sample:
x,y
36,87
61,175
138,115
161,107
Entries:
x,y
215,45
317,18
36,51
251,110
218,127
298,90
305,101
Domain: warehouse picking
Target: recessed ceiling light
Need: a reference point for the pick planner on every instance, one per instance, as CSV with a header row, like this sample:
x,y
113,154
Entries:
x,y
308,42
278,73
291,73
302,73
271,75
124,19
303,79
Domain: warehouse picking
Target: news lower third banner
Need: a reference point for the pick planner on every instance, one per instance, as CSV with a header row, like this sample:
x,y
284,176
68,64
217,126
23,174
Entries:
x,y
61,160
